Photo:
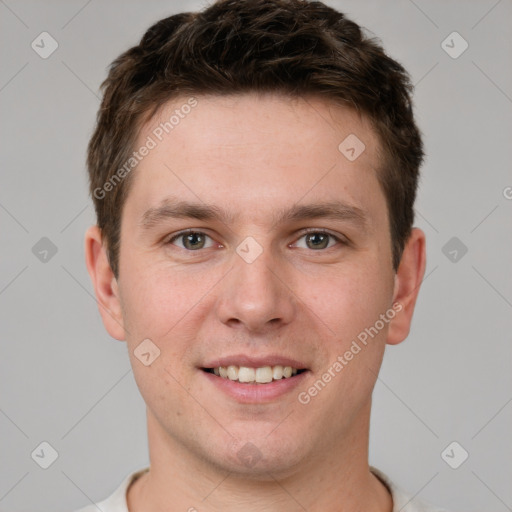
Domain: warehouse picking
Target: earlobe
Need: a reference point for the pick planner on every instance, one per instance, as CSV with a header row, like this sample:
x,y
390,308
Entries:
x,y
407,285
104,282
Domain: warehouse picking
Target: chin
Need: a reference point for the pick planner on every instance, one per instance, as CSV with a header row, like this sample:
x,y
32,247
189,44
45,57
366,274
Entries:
x,y
261,458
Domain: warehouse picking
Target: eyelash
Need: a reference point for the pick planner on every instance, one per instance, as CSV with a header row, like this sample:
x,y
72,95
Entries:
x,y
305,232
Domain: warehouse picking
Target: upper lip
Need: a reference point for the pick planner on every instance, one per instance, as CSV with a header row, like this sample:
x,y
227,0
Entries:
x,y
255,362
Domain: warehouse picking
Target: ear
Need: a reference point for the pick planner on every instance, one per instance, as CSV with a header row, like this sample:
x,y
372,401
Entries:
x,y
104,282
407,285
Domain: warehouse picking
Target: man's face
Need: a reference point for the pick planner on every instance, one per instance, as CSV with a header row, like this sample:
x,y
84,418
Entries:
x,y
253,288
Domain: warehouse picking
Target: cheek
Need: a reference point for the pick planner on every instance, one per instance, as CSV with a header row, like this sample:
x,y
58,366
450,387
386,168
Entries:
x,y
159,388
349,299
158,300
350,304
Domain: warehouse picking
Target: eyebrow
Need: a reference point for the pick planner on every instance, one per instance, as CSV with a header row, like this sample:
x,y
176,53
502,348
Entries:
x,y
171,208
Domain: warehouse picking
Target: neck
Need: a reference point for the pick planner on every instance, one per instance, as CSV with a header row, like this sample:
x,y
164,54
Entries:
x,y
332,479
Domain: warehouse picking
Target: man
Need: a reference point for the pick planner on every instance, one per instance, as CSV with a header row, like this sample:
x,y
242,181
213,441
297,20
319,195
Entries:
x,y
254,169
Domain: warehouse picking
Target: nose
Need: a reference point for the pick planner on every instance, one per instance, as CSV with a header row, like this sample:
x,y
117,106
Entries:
x,y
256,296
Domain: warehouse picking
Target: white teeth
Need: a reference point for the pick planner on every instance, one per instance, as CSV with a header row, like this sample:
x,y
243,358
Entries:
x,y
262,375
233,372
277,372
246,374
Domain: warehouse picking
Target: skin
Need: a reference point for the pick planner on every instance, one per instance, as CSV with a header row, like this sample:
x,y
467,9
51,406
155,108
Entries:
x,y
255,155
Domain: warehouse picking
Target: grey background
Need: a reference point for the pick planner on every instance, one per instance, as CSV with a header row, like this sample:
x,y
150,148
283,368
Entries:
x,y
66,382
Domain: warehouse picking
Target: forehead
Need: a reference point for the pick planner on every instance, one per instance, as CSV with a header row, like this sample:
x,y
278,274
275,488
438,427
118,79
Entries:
x,y
249,118
246,147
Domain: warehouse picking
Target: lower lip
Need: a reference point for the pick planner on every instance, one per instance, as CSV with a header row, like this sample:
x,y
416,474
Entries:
x,y
255,393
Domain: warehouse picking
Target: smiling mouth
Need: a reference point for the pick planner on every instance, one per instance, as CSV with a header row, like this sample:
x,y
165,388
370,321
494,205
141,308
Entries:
x,y
261,375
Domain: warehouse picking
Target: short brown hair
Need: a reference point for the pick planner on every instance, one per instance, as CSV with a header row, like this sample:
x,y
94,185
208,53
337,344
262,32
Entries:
x,y
295,47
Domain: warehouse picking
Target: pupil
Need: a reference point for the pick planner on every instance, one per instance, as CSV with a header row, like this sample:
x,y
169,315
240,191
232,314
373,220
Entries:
x,y
318,240
193,239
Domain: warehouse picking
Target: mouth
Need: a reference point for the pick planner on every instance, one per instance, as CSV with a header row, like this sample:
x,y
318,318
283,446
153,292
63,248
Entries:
x,y
250,379
254,375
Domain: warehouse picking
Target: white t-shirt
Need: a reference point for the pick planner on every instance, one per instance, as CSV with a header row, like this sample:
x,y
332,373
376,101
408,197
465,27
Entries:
x,y
401,501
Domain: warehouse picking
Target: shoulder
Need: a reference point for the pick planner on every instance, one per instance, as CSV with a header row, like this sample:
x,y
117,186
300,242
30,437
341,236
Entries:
x,y
402,501
116,502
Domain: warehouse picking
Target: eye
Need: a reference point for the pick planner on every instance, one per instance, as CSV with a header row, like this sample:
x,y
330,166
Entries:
x,y
317,240
191,240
